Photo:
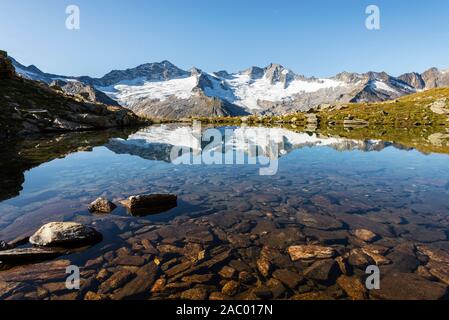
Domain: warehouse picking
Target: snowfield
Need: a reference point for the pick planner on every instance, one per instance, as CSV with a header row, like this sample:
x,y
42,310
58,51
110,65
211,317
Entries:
x,y
238,89
127,93
382,86
248,91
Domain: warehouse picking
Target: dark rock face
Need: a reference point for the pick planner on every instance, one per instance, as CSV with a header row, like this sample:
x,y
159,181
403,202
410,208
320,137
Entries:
x,y
435,78
254,72
198,105
151,71
276,73
413,79
6,68
84,91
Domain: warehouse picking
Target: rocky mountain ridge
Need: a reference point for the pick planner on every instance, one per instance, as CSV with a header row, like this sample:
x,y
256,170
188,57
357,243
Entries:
x,y
162,90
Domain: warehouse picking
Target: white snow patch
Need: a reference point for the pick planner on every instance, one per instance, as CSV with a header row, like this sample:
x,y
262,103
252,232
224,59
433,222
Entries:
x,y
249,92
382,86
131,91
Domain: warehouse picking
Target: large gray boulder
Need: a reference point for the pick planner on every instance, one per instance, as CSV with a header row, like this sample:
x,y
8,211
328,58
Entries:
x,y
65,234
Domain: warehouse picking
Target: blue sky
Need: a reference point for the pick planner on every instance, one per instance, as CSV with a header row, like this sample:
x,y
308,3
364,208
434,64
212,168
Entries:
x,y
319,37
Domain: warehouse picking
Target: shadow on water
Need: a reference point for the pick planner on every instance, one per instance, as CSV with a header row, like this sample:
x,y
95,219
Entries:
x,y
156,142
20,155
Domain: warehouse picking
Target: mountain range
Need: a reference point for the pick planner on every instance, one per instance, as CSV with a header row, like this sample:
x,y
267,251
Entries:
x,y
164,91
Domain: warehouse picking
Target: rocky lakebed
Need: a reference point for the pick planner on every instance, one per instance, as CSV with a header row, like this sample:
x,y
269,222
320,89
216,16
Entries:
x,y
140,227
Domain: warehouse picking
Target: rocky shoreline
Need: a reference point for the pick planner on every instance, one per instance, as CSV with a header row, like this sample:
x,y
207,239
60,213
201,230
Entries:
x,y
290,254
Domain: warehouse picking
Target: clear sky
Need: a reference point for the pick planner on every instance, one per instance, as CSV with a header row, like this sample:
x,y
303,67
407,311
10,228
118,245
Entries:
x,y
319,37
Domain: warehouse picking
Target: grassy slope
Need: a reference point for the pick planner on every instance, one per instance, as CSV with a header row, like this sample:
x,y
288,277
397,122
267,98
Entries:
x,y
405,112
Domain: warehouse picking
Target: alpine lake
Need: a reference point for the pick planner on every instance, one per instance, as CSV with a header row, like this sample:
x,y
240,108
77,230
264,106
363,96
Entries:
x,y
338,202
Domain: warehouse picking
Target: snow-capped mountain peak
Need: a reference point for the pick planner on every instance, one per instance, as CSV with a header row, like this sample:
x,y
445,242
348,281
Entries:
x,y
161,89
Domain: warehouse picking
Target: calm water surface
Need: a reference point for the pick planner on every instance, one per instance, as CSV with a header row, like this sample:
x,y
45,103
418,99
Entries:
x,y
400,194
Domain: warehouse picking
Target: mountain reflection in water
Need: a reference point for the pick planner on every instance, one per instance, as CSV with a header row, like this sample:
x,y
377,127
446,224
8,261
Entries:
x,y
157,142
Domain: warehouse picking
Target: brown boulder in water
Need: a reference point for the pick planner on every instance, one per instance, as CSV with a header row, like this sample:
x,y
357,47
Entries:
x,y
102,205
150,204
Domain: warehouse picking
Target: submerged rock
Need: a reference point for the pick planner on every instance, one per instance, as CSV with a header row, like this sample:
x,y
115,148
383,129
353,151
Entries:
x,y
140,286
318,221
324,271
65,234
264,266
227,272
313,296
407,286
44,272
365,235
150,204
4,246
359,259
439,270
353,287
116,281
26,255
289,278
231,288
92,296
102,205
195,294
434,254
374,254
304,252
